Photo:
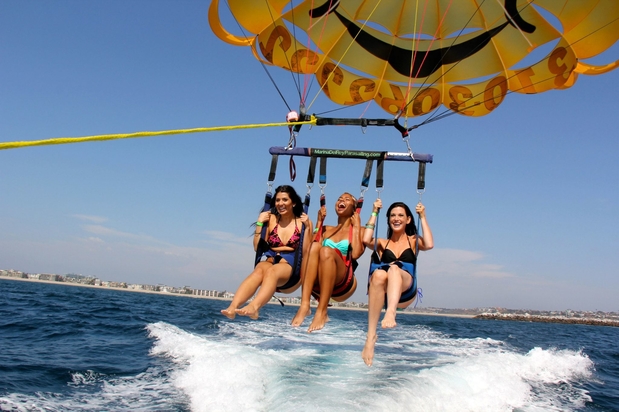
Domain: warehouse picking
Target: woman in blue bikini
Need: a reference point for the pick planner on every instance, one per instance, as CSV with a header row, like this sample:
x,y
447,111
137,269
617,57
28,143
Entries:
x,y
393,275
329,266
275,270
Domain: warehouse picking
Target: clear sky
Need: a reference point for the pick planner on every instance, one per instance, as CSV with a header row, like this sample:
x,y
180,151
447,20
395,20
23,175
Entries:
x,y
523,203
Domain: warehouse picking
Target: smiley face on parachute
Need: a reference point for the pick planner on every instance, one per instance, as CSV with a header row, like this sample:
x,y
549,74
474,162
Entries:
x,y
412,56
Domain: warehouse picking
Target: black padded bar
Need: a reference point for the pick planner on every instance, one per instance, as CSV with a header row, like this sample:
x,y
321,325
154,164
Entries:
x,y
353,154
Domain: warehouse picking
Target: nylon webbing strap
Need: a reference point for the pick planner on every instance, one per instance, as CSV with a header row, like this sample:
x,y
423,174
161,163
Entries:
x,y
311,172
379,173
273,168
322,177
365,182
421,178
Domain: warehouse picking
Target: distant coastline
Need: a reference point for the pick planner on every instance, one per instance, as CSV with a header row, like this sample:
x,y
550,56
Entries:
x,y
602,319
272,302
549,319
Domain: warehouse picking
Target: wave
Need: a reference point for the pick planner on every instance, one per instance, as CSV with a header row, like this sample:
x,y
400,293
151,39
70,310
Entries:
x,y
267,366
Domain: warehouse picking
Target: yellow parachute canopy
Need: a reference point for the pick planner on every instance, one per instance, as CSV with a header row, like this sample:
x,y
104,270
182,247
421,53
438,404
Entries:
x,y
410,56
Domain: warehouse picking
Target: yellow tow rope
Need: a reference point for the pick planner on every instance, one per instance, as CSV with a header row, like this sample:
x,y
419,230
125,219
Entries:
x,y
102,137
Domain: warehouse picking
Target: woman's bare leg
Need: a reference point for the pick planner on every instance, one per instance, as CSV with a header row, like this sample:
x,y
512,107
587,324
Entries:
x,y
330,267
277,274
310,274
394,291
376,300
247,288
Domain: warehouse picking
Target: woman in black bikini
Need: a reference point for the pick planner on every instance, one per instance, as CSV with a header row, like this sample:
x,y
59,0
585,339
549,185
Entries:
x,y
392,271
275,271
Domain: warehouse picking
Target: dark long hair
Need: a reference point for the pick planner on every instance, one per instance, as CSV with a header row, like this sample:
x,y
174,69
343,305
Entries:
x,y
297,209
411,229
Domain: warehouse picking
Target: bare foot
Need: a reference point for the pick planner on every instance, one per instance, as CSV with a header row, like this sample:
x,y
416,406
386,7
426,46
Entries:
x,y
248,311
319,321
368,350
229,313
304,310
388,320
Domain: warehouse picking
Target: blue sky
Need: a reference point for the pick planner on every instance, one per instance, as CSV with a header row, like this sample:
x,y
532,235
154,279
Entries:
x,y
523,203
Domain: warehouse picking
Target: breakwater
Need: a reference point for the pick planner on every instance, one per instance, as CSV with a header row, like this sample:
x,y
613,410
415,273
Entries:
x,y
549,319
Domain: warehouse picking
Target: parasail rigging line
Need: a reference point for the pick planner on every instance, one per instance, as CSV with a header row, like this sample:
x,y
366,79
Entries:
x,y
295,81
331,74
447,112
422,87
415,46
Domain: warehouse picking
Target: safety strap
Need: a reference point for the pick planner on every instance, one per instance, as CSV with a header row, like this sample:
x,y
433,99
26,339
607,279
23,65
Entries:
x,y
322,180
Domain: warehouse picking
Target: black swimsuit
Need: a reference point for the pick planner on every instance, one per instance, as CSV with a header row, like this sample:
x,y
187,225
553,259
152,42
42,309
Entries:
x,y
406,261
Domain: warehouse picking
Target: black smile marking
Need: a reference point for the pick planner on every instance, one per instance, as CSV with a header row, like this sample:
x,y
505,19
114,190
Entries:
x,y
424,62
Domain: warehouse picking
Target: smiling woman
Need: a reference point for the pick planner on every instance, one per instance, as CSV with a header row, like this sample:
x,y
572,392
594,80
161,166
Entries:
x,y
286,225
329,267
392,271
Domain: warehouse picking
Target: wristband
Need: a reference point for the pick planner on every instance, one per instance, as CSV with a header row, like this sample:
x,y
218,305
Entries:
x,y
374,214
315,230
259,224
369,226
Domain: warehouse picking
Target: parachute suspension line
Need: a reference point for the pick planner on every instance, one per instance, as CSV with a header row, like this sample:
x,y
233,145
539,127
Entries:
x,y
513,23
275,85
422,87
414,48
260,60
447,112
308,48
294,31
271,77
322,86
595,31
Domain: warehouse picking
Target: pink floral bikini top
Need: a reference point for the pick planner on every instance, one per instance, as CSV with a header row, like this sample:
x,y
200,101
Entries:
x,y
274,241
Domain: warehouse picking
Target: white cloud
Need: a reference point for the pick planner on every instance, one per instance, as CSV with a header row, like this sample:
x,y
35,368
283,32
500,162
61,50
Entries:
x,y
106,231
218,237
461,263
90,218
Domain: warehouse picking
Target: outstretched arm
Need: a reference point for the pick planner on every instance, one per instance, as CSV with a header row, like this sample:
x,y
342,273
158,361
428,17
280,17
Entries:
x,y
368,230
427,241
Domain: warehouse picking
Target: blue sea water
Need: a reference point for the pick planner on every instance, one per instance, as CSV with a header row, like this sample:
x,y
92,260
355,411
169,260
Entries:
x,y
66,348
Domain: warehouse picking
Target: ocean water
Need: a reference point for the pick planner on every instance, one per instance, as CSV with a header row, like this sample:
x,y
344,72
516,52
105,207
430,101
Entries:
x,y
68,348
